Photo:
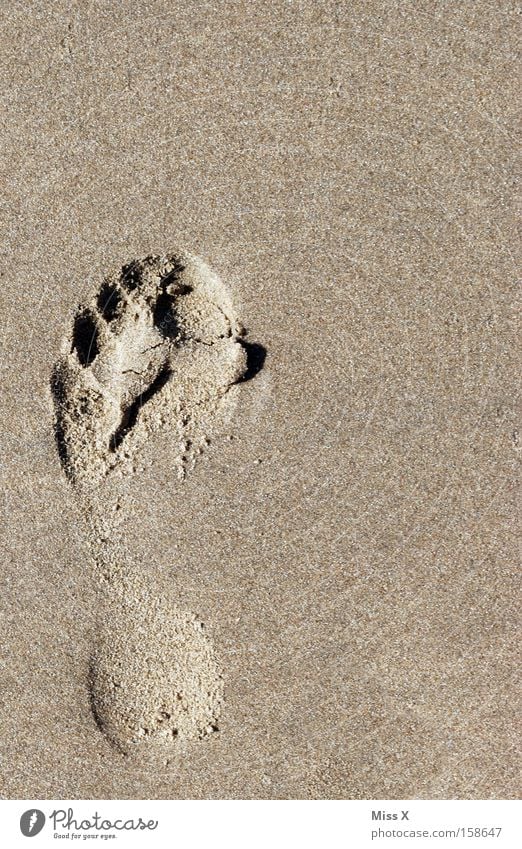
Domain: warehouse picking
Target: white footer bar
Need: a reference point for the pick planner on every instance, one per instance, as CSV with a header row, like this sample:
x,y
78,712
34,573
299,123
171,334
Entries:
x,y
251,824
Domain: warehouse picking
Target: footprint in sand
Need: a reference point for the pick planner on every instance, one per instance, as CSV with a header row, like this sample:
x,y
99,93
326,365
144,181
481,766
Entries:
x,y
158,347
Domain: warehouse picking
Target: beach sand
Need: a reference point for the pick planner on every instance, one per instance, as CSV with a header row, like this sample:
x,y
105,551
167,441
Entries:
x,y
343,549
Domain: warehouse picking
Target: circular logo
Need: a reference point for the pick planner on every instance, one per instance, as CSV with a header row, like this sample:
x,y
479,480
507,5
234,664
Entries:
x,y
32,822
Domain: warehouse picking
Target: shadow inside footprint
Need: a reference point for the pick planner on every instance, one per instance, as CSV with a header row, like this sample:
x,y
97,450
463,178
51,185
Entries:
x,y
130,414
256,356
59,392
85,340
109,301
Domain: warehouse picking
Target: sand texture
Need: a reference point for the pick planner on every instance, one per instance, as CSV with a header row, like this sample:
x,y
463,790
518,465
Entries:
x,y
259,434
